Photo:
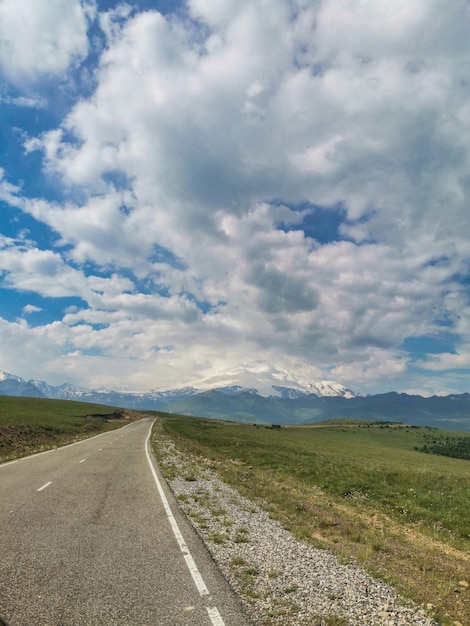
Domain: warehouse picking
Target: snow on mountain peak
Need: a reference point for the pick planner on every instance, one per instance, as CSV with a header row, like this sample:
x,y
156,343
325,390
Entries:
x,y
275,382
7,376
287,393
331,388
268,382
235,390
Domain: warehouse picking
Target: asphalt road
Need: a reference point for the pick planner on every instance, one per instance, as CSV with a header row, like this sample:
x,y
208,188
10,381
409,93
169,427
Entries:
x,y
91,536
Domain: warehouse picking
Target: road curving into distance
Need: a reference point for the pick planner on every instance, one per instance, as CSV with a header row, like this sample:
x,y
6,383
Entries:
x,y
91,536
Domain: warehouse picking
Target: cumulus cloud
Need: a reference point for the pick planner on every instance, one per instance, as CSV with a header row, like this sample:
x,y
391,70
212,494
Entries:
x,y
39,38
31,308
196,163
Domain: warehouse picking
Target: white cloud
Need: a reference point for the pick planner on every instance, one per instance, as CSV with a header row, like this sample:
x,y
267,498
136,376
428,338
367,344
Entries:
x,y
8,191
35,102
32,349
378,365
447,360
40,271
110,21
195,144
42,36
31,308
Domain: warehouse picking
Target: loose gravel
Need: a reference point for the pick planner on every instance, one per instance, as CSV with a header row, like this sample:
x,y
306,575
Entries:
x,y
282,581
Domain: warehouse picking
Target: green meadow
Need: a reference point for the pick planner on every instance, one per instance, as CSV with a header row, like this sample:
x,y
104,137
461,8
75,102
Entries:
x,y
29,425
366,491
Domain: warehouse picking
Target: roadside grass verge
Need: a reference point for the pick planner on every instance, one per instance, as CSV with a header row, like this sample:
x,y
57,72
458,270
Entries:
x,y
29,425
366,492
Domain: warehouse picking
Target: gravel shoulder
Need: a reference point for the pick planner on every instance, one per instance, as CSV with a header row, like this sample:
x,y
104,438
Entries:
x,y
282,581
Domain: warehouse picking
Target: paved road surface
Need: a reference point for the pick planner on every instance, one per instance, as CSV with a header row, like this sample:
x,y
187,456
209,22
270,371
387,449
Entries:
x,y
86,540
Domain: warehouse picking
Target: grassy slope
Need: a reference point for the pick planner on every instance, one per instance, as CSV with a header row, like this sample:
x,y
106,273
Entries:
x,y
28,425
364,492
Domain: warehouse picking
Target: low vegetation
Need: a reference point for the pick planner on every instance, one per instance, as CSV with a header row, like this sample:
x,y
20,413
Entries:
x,y
366,491
457,447
30,425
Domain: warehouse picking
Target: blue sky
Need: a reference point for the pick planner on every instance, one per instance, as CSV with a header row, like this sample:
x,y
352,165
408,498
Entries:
x,y
190,191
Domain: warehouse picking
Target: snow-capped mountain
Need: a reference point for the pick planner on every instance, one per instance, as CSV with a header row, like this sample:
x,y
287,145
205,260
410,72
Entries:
x,y
261,383
7,376
297,403
321,389
271,381
329,388
172,393
287,393
65,391
11,385
235,390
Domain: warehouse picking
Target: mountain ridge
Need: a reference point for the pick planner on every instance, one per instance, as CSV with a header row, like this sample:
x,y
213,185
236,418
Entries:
x,y
285,406
67,391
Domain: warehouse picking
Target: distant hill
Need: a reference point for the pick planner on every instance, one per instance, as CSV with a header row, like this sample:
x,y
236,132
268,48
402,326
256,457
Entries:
x,y
449,412
243,407
286,405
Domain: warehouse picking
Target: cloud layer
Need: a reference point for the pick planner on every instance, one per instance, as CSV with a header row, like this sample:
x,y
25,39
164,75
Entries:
x,y
284,180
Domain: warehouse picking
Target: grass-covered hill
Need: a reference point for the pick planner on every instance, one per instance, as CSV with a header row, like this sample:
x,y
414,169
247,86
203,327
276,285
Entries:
x,y
377,494
28,425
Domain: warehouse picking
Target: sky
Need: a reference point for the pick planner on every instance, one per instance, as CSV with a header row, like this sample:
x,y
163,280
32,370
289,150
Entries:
x,y
194,189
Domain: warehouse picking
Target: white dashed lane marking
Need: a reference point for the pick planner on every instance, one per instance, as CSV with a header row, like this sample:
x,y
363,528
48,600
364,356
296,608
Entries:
x,y
45,486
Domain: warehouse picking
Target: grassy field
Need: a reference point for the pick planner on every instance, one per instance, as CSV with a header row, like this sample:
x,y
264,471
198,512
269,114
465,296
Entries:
x,y
367,492
30,425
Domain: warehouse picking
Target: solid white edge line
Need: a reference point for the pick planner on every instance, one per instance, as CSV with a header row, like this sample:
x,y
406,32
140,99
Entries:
x,y
44,486
9,463
215,616
213,612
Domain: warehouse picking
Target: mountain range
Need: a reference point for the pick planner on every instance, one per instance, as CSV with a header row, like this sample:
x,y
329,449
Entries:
x,y
302,404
